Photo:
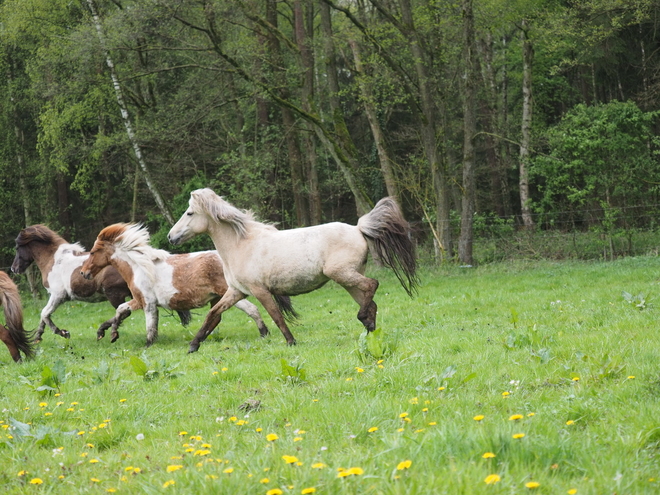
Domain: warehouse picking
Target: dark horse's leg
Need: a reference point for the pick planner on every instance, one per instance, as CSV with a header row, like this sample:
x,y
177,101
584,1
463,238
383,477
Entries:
x,y
231,297
5,336
266,300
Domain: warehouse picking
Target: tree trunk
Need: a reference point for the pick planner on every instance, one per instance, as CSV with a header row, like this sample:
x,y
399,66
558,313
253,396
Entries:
x,y
469,131
126,117
386,166
528,53
428,124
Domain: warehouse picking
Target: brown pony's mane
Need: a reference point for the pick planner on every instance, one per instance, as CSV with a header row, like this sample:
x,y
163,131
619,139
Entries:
x,y
39,233
112,232
220,210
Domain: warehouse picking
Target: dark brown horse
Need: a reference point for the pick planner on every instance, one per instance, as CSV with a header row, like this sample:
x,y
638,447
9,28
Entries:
x,y
59,263
13,335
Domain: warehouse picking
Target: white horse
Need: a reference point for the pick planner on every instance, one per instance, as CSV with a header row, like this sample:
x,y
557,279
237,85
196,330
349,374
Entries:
x,y
262,261
158,278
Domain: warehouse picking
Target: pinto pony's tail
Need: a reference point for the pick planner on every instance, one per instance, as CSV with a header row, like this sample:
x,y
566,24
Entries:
x,y
11,301
286,308
390,235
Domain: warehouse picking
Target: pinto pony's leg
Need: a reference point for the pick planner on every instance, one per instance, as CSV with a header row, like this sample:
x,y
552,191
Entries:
x,y
151,317
253,312
231,297
5,336
123,311
48,310
266,300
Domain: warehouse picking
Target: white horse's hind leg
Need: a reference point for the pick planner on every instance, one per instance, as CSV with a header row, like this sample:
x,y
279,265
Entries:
x,y
362,290
253,312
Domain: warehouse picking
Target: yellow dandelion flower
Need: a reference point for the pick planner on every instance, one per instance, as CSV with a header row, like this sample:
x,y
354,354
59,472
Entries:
x,y
190,449
359,370
43,404
59,403
168,483
274,491
575,379
404,465
572,491
103,425
271,437
441,388
111,490
349,379
518,436
297,439
319,465
414,400
479,417
70,409
214,373
290,459
505,394
529,415
264,480
532,484
228,470
372,429
232,419
93,461
354,471
432,423
491,479
403,415
84,454
95,480
90,445
183,433
515,417
306,491
202,452
224,369
400,429
80,433
426,409
631,377
48,414
259,430
129,468
488,455
174,467
122,400
137,470
36,481
206,445
570,422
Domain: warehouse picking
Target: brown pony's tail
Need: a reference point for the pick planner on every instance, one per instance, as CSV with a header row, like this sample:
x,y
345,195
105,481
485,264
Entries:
x,y
390,235
286,308
11,301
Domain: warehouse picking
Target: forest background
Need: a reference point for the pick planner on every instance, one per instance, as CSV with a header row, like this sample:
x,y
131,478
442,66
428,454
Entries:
x,y
502,126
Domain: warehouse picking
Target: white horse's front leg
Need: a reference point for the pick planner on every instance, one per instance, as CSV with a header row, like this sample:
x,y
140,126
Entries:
x,y
48,310
253,312
151,317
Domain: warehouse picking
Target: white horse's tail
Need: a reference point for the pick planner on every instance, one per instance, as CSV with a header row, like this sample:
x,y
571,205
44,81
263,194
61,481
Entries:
x,y
389,232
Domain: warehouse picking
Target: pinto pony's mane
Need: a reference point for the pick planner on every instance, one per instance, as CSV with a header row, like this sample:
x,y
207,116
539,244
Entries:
x,y
41,233
131,242
218,209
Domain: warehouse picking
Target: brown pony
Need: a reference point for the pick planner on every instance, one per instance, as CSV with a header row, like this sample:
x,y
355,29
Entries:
x,y
59,263
158,278
13,335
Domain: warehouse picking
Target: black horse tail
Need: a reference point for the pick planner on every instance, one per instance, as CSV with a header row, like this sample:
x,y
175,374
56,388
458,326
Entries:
x,y
286,308
185,317
11,301
390,235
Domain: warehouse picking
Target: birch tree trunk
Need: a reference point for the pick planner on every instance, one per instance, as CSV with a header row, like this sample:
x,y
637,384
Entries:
x,y
526,128
469,131
126,117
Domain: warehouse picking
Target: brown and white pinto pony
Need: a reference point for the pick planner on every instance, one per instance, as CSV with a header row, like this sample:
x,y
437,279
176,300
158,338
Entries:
x,y
59,263
158,278
262,261
13,335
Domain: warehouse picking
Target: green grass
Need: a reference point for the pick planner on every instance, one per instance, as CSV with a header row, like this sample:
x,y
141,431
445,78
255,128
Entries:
x,y
558,337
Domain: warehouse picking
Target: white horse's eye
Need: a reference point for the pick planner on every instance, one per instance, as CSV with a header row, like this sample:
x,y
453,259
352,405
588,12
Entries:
x,y
189,213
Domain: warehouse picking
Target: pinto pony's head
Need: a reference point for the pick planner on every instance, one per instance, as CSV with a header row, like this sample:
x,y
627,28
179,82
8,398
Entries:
x,y
30,238
103,249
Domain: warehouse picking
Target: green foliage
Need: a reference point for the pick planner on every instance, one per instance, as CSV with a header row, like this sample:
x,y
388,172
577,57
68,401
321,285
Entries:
x,y
374,345
295,375
639,301
151,371
50,381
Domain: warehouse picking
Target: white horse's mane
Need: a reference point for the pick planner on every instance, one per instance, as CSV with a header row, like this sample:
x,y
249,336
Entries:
x,y
134,246
76,248
220,210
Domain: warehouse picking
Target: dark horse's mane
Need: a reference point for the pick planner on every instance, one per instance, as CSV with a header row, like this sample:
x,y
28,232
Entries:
x,y
39,233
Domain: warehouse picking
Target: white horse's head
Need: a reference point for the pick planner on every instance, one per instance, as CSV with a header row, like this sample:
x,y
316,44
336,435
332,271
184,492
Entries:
x,y
194,220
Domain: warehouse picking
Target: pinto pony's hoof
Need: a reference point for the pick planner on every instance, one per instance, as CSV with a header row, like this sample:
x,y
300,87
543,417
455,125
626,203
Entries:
x,y
64,333
291,342
193,348
115,337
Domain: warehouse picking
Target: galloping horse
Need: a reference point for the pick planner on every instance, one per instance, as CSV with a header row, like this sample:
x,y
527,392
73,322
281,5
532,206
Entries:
x,y
263,261
59,263
13,335
158,278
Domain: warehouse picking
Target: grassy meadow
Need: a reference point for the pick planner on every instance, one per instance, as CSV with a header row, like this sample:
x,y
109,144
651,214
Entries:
x,y
526,377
